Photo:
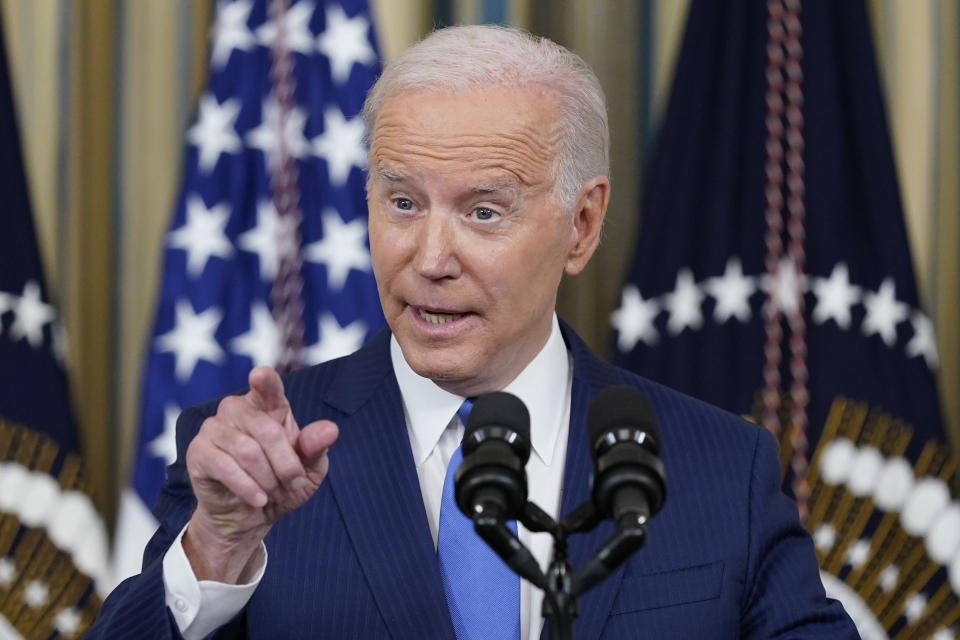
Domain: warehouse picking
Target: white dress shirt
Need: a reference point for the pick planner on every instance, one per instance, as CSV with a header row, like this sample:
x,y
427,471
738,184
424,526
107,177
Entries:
x,y
544,386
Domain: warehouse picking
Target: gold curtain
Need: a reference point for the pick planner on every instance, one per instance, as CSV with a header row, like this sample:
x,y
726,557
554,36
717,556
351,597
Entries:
x,y
106,89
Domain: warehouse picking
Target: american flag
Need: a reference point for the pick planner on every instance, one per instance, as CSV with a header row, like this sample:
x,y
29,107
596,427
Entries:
x,y
266,259
53,542
772,277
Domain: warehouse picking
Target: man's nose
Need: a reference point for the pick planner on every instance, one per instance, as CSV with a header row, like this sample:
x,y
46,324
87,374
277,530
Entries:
x,y
437,257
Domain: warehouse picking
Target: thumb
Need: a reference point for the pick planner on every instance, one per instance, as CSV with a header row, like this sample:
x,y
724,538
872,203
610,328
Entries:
x,y
312,444
266,393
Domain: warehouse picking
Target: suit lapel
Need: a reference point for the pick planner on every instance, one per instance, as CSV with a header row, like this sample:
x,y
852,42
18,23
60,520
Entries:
x,y
589,376
375,485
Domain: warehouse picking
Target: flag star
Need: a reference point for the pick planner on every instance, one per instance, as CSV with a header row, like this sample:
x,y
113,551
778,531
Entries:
x,y
67,621
202,235
342,248
785,287
732,292
923,342
266,137
835,296
683,303
884,312
265,238
214,132
36,594
889,577
945,634
30,314
262,342
296,29
859,553
191,339
633,320
824,537
335,341
8,571
165,444
915,606
345,43
340,144
230,31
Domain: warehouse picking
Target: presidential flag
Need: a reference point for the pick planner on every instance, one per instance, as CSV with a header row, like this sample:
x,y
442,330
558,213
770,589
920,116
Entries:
x,y
53,543
772,277
266,260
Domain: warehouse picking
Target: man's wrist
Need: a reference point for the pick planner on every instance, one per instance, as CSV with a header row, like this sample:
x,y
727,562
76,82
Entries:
x,y
230,559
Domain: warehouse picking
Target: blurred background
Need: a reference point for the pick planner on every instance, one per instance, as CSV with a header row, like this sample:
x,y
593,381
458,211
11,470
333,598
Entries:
x,y
105,91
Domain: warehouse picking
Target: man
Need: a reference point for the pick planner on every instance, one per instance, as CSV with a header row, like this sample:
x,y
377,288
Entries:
x,y
311,506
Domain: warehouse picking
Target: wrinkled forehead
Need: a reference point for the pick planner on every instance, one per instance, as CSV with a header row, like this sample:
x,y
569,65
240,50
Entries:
x,y
513,130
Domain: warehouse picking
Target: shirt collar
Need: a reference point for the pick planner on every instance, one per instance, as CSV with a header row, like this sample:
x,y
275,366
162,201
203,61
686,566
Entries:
x,y
541,385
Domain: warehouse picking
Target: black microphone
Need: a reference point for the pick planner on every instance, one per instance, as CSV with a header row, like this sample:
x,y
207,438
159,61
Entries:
x,y
496,446
491,484
629,484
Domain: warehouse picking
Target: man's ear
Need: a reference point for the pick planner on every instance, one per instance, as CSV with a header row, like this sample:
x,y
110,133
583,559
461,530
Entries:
x,y
587,221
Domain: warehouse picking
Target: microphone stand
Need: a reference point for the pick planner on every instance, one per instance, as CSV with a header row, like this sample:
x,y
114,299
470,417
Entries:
x,y
561,586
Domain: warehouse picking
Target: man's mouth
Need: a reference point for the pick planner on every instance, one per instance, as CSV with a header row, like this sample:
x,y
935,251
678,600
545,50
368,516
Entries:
x,y
439,318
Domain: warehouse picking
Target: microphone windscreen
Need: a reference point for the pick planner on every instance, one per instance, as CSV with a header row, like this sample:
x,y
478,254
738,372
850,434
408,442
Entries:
x,y
621,406
499,409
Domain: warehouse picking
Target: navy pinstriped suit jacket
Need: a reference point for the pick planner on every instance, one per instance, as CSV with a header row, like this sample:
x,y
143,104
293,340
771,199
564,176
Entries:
x,y
725,558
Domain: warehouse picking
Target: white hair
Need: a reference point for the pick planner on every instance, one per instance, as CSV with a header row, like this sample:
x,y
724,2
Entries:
x,y
466,58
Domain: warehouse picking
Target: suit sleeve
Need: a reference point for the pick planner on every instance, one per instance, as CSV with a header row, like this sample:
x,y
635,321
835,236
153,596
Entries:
x,y
137,607
783,596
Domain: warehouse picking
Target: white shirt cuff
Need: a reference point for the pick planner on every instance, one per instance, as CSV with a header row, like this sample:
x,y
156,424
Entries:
x,y
200,607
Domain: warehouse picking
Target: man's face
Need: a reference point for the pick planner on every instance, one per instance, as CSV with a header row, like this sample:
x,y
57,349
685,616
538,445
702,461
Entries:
x,y
468,245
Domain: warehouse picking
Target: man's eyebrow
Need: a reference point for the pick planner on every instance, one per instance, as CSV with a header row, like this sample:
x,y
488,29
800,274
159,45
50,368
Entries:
x,y
494,187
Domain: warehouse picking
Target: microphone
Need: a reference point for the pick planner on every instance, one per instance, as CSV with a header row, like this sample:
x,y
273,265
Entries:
x,y
629,484
496,446
491,484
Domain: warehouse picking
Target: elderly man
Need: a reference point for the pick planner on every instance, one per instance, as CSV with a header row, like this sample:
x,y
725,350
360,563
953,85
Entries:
x,y
313,505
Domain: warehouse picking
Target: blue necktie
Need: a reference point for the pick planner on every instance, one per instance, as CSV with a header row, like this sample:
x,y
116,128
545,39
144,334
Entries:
x,y
483,594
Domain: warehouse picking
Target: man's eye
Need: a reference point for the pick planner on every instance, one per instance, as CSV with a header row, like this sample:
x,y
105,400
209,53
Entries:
x,y
483,213
404,204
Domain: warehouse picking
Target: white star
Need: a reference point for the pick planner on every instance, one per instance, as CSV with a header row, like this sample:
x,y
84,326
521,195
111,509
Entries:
x,y
732,292
683,303
202,235
944,634
214,132
266,137
230,30
262,342
30,314
296,29
165,444
889,577
67,621
634,319
923,342
335,341
342,248
915,606
340,144
345,43
824,537
785,287
191,339
884,312
265,238
8,571
36,594
859,552
835,295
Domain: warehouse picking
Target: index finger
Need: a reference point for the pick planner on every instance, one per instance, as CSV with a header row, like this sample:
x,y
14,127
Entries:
x,y
266,393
